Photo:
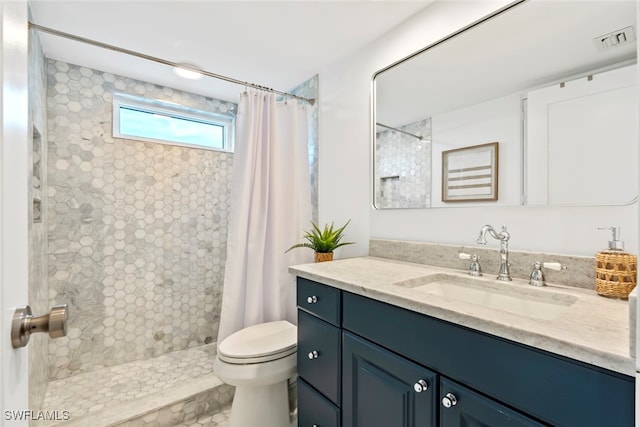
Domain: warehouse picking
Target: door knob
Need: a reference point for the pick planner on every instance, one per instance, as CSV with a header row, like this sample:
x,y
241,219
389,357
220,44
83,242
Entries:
x,y
24,324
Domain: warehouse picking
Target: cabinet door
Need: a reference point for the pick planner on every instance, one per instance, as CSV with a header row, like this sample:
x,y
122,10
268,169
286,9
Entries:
x,y
314,409
461,406
382,389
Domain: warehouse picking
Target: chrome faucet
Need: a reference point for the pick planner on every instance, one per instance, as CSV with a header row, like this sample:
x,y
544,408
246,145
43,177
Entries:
x,y
503,236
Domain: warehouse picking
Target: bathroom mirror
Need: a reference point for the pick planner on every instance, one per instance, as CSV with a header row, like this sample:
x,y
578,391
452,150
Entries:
x,y
554,83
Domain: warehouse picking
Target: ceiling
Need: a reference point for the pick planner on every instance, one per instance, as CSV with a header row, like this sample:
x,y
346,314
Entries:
x,y
273,44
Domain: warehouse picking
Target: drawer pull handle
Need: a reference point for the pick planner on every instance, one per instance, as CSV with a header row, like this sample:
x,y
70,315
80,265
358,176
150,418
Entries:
x,y
312,299
449,400
313,355
420,386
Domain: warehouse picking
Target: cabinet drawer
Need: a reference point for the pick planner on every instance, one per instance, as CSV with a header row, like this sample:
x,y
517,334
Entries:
x,y
314,409
318,355
466,407
321,300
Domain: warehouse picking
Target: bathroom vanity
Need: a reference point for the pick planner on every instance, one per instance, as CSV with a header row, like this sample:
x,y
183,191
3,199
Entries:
x,y
380,344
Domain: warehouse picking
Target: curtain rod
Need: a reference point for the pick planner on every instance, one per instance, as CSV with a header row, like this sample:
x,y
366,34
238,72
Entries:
x,y
399,130
37,27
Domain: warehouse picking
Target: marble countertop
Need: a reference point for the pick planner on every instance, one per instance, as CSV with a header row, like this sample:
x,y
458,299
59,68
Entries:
x,y
593,329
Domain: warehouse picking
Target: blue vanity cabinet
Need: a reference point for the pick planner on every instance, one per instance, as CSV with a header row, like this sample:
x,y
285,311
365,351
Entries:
x,y
382,389
546,387
377,354
318,354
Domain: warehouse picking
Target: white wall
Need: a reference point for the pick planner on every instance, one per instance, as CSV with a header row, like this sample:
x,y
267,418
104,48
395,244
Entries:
x,y
345,149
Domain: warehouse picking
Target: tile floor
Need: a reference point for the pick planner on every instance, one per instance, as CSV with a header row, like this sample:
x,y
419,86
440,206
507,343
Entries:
x,y
220,419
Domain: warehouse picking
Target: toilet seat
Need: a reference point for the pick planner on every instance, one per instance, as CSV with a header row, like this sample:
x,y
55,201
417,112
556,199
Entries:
x,y
259,343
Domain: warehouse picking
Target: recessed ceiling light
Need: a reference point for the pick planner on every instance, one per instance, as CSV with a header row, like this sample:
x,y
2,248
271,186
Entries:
x,y
188,71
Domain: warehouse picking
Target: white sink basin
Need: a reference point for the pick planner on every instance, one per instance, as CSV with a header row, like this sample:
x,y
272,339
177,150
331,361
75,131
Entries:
x,y
513,298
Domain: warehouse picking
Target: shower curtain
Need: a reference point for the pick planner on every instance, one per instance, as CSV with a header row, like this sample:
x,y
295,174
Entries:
x,y
270,206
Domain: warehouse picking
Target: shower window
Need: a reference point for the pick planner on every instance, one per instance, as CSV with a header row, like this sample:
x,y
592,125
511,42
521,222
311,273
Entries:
x,y
167,123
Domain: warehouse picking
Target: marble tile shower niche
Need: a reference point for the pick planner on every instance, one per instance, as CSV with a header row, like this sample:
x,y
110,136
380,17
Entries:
x,y
137,230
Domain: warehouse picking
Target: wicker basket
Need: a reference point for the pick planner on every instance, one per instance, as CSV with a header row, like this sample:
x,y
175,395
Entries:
x,y
616,274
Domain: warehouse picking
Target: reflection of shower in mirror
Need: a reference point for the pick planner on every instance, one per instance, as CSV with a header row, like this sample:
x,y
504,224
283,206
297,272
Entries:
x,y
403,166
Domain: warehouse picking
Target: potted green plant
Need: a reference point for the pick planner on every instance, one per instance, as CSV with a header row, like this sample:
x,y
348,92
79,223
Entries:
x,y
324,241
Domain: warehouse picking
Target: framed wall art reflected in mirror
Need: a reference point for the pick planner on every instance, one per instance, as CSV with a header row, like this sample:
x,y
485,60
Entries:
x,y
470,174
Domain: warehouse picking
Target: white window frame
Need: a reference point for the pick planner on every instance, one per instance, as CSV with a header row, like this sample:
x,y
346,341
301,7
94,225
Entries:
x,y
122,100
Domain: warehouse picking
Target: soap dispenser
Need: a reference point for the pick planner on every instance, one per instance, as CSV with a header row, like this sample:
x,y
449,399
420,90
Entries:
x,y
616,270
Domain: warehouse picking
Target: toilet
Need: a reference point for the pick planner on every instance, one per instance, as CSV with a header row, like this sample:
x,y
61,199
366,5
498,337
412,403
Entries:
x,y
259,361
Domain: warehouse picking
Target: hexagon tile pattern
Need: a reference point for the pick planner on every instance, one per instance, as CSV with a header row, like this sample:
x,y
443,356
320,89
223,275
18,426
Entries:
x,y
403,167
129,395
220,419
137,230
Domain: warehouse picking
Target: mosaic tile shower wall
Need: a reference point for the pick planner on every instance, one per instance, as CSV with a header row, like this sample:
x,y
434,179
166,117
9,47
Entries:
x,y
403,167
38,289
310,90
137,230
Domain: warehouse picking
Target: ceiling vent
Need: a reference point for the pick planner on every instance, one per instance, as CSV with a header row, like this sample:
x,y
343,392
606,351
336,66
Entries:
x,y
618,38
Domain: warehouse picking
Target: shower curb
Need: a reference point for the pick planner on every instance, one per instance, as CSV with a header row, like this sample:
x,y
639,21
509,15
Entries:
x,y
167,408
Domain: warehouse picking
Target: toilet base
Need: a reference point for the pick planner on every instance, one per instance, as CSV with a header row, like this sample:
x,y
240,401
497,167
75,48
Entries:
x,y
264,406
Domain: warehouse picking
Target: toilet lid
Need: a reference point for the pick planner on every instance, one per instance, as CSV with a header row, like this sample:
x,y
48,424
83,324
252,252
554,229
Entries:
x,y
257,343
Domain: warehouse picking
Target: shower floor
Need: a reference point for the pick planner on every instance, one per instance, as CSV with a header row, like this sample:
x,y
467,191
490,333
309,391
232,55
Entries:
x,y
220,419
176,389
